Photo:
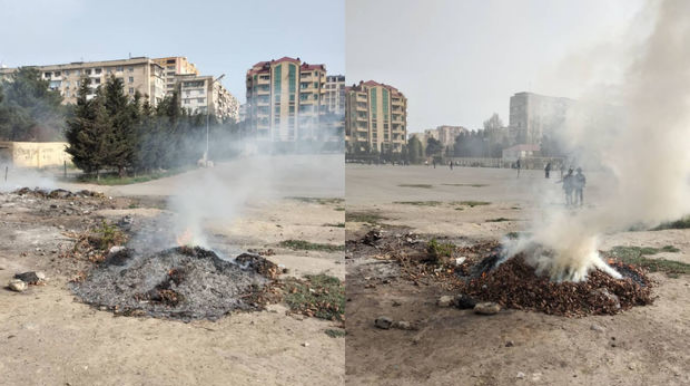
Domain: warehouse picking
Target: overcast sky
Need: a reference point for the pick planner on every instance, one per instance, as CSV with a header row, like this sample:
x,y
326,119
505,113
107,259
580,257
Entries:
x,y
459,61
220,37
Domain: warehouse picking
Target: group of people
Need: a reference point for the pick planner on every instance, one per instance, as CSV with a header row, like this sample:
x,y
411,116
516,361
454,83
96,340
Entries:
x,y
573,185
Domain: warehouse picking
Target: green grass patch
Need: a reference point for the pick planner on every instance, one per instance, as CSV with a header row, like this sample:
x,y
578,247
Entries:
x,y
113,179
318,296
367,217
636,256
338,225
459,208
421,186
683,223
500,219
336,332
302,245
517,235
437,250
471,204
419,203
468,185
319,200
340,209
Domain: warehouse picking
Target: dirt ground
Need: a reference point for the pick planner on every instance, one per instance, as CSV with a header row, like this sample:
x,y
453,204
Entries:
x,y
644,346
48,337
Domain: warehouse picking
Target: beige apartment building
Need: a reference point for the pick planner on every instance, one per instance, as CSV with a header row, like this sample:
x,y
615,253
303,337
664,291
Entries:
x,y
137,74
285,100
202,94
532,116
174,66
375,118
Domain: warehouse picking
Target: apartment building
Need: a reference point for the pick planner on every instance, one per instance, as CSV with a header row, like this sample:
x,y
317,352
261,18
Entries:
x,y
174,66
532,116
202,94
375,118
137,74
334,94
285,100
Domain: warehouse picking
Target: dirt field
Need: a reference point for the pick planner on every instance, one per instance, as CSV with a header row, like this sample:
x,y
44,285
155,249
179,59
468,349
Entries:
x,y
644,346
47,337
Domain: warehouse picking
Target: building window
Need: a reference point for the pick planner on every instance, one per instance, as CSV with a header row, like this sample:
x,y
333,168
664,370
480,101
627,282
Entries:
x,y
131,79
47,75
201,100
131,91
66,72
97,80
98,71
130,68
87,71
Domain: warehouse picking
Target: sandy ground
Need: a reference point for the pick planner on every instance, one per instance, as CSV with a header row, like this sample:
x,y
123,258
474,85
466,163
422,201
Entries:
x,y
49,338
644,346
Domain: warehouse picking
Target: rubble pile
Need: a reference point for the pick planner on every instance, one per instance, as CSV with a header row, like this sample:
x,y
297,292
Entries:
x,y
182,283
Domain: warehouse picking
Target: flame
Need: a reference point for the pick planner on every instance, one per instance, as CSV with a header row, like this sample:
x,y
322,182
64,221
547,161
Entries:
x,y
185,238
483,275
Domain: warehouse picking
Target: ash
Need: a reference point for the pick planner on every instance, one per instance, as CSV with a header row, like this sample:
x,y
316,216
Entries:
x,y
180,283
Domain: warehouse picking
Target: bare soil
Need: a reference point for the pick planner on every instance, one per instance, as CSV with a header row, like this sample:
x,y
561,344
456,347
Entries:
x,y
447,346
50,337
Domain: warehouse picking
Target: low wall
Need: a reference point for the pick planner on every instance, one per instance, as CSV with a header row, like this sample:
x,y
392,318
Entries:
x,y
34,154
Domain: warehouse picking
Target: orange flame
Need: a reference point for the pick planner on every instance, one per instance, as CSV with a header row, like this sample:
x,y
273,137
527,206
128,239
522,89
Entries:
x,y
185,238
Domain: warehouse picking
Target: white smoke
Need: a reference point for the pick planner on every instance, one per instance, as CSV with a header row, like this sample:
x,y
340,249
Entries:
x,y
642,148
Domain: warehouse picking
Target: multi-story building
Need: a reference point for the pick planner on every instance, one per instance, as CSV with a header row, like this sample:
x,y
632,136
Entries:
x,y
205,94
285,99
137,74
174,66
447,134
375,118
335,94
532,116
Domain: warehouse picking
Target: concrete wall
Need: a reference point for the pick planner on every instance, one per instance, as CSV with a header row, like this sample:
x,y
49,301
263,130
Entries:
x,y
34,154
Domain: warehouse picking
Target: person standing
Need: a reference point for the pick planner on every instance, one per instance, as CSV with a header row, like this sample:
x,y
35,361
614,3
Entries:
x,y
568,185
547,170
517,165
451,166
580,182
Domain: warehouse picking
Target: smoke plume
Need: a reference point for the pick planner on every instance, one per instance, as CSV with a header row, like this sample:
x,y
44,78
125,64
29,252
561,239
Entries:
x,y
640,143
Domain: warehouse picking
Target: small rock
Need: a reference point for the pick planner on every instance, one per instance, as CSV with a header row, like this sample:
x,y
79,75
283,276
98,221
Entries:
x,y
305,344
510,343
17,285
459,261
28,277
444,301
383,322
597,328
402,325
464,302
487,308
520,375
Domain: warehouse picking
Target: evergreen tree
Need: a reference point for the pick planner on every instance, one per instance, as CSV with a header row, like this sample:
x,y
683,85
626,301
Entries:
x,y
30,110
90,133
123,118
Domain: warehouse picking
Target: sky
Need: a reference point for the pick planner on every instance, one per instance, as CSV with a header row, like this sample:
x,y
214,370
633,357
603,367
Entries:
x,y
219,37
458,62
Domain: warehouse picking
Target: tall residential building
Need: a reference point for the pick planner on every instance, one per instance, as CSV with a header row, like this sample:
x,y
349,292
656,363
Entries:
x,y
285,100
375,118
174,66
137,74
335,94
532,116
201,94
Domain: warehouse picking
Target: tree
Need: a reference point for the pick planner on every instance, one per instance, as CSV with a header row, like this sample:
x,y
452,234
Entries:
x,y
90,134
493,123
123,116
433,147
416,151
30,110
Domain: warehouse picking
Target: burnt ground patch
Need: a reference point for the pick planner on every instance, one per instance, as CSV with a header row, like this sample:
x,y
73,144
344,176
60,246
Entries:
x,y
180,283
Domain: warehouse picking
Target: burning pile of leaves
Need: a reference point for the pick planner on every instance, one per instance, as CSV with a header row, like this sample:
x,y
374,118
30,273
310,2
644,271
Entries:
x,y
181,283
514,284
479,272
